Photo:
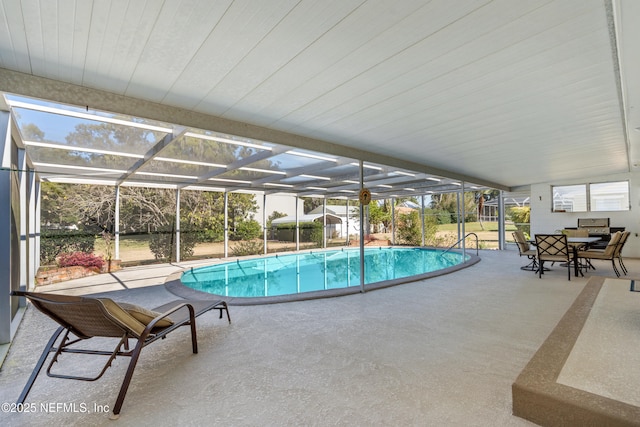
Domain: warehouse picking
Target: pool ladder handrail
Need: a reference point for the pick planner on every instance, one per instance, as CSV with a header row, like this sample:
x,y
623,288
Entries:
x,y
460,240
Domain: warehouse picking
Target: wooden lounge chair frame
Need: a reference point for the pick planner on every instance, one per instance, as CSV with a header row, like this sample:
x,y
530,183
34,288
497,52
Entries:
x,y
86,317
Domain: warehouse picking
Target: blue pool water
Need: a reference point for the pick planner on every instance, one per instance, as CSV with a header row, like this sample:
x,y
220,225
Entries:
x,y
315,271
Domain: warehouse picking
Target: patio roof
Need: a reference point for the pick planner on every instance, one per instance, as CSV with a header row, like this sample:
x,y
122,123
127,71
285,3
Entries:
x,y
505,94
75,145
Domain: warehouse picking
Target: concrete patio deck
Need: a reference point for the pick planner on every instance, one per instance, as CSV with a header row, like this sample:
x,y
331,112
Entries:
x,y
443,351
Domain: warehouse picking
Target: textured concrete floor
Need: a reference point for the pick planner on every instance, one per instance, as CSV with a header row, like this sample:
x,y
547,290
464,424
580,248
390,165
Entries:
x,y
438,352
610,338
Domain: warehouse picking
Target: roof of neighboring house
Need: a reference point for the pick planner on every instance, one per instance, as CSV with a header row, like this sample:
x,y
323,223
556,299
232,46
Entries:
x,y
331,219
340,210
404,209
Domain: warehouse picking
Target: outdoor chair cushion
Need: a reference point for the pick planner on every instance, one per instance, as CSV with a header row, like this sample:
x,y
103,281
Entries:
x,y
144,315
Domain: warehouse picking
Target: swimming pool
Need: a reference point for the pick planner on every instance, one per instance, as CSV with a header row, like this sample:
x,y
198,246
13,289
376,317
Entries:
x,y
317,271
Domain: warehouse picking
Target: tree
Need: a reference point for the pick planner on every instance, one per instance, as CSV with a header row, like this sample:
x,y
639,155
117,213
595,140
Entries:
x,y
449,202
310,203
274,215
146,209
56,209
481,197
521,215
380,213
32,132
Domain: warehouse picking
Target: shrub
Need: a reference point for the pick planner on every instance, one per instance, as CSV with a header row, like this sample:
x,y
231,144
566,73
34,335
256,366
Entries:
x,y
409,229
53,243
81,259
162,244
309,232
315,235
248,247
247,230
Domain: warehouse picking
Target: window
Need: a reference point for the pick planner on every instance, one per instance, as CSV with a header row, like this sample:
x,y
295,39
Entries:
x,y
609,196
605,196
570,198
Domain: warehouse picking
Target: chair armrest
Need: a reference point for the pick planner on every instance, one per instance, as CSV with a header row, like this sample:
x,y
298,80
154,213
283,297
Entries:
x,y
152,324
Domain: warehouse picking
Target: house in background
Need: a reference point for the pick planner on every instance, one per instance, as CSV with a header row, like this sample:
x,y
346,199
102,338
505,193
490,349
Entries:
x,y
339,224
340,221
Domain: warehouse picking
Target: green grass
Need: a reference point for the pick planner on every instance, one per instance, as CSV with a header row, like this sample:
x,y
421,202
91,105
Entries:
x,y
475,227
137,241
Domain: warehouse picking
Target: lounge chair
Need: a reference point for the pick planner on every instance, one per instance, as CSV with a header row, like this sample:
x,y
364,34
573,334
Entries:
x,y
86,318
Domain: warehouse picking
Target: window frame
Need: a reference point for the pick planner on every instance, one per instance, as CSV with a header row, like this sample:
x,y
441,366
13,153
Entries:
x,y
588,195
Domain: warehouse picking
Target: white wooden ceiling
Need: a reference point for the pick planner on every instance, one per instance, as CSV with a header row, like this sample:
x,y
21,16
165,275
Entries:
x,y
509,91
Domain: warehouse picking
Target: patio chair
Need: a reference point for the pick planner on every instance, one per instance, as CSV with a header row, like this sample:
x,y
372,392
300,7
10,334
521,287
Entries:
x,y
86,318
524,248
554,248
610,253
621,243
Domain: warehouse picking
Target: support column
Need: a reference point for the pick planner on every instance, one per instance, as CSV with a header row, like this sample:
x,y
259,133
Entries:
x,y
297,225
116,225
501,225
361,230
464,233
264,222
324,223
177,225
422,217
458,217
23,177
393,221
226,224
34,228
347,226
9,233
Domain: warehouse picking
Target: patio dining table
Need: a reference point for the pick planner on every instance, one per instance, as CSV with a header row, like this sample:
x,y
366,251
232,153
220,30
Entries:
x,y
576,244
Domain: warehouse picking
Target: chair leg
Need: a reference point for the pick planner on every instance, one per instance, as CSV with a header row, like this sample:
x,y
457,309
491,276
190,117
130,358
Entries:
x,y
136,355
615,269
532,266
225,307
36,370
622,266
588,264
127,379
194,337
540,268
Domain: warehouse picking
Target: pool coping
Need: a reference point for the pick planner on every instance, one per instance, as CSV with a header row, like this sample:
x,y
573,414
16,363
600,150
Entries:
x,y
539,398
174,285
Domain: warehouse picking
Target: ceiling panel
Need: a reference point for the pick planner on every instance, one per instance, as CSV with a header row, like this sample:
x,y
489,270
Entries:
x,y
238,32
333,58
465,86
300,28
112,41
